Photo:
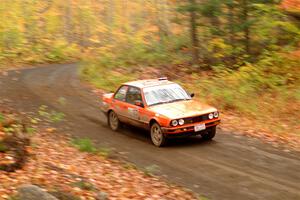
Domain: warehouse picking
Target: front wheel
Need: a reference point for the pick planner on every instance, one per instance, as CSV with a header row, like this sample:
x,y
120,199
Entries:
x,y
113,121
157,136
210,134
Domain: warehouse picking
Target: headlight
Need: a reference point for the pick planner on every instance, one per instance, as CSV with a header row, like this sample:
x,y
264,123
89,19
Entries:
x,y
174,122
181,121
211,115
216,114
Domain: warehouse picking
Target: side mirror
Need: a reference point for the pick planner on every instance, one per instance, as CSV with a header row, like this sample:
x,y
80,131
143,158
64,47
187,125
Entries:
x,y
139,103
192,95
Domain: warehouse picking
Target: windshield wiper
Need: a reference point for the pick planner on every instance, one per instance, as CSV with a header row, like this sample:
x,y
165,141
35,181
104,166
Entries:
x,y
171,101
159,103
174,100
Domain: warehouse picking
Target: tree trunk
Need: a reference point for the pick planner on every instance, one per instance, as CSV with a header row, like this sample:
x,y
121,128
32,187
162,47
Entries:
x,y
245,16
231,23
193,32
110,19
162,18
29,23
68,21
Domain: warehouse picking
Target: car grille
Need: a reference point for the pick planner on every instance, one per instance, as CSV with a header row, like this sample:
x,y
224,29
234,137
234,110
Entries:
x,y
196,119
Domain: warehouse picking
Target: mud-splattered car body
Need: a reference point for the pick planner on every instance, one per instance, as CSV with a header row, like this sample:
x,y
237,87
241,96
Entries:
x,y
161,105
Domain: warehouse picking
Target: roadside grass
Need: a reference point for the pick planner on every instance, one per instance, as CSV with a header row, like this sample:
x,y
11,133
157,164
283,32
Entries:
x,y
3,147
50,115
129,166
87,145
2,118
62,101
151,170
14,197
84,185
30,130
105,77
203,198
104,152
84,145
269,100
275,111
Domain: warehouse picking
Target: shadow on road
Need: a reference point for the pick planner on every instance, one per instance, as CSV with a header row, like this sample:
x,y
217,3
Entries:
x,y
182,142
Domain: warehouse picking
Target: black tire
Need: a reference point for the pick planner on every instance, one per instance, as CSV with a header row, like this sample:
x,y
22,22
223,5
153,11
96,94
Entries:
x,y
113,121
210,133
157,136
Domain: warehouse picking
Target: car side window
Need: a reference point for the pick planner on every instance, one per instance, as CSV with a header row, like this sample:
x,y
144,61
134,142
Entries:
x,y
121,93
133,94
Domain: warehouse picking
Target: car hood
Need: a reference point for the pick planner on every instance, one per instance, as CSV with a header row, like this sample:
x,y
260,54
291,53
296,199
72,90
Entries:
x,y
182,109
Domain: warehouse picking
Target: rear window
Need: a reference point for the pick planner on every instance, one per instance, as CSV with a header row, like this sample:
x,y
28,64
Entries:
x,y
121,93
133,94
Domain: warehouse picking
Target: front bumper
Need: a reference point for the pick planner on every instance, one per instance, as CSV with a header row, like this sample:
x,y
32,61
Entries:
x,y
189,128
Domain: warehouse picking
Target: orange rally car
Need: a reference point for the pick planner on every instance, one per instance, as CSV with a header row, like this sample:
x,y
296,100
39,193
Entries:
x,y
161,106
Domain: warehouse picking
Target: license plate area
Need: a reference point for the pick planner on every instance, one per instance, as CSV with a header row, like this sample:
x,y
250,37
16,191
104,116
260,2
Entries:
x,y
199,127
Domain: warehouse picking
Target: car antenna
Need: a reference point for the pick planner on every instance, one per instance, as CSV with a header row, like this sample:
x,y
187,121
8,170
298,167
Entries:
x,y
163,78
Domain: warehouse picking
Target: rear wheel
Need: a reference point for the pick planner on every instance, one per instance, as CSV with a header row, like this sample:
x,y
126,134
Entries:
x,y
210,134
157,136
113,121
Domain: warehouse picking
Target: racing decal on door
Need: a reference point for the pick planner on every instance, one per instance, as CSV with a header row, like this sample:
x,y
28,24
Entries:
x,y
133,113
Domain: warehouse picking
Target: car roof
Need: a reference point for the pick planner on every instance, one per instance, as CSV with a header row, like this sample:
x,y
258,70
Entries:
x,y
148,83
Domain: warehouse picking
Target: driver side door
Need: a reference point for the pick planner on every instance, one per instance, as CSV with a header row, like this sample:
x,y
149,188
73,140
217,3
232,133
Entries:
x,y
134,112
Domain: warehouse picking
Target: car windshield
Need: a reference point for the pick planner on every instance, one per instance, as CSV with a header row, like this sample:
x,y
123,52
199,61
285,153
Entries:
x,y
165,94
